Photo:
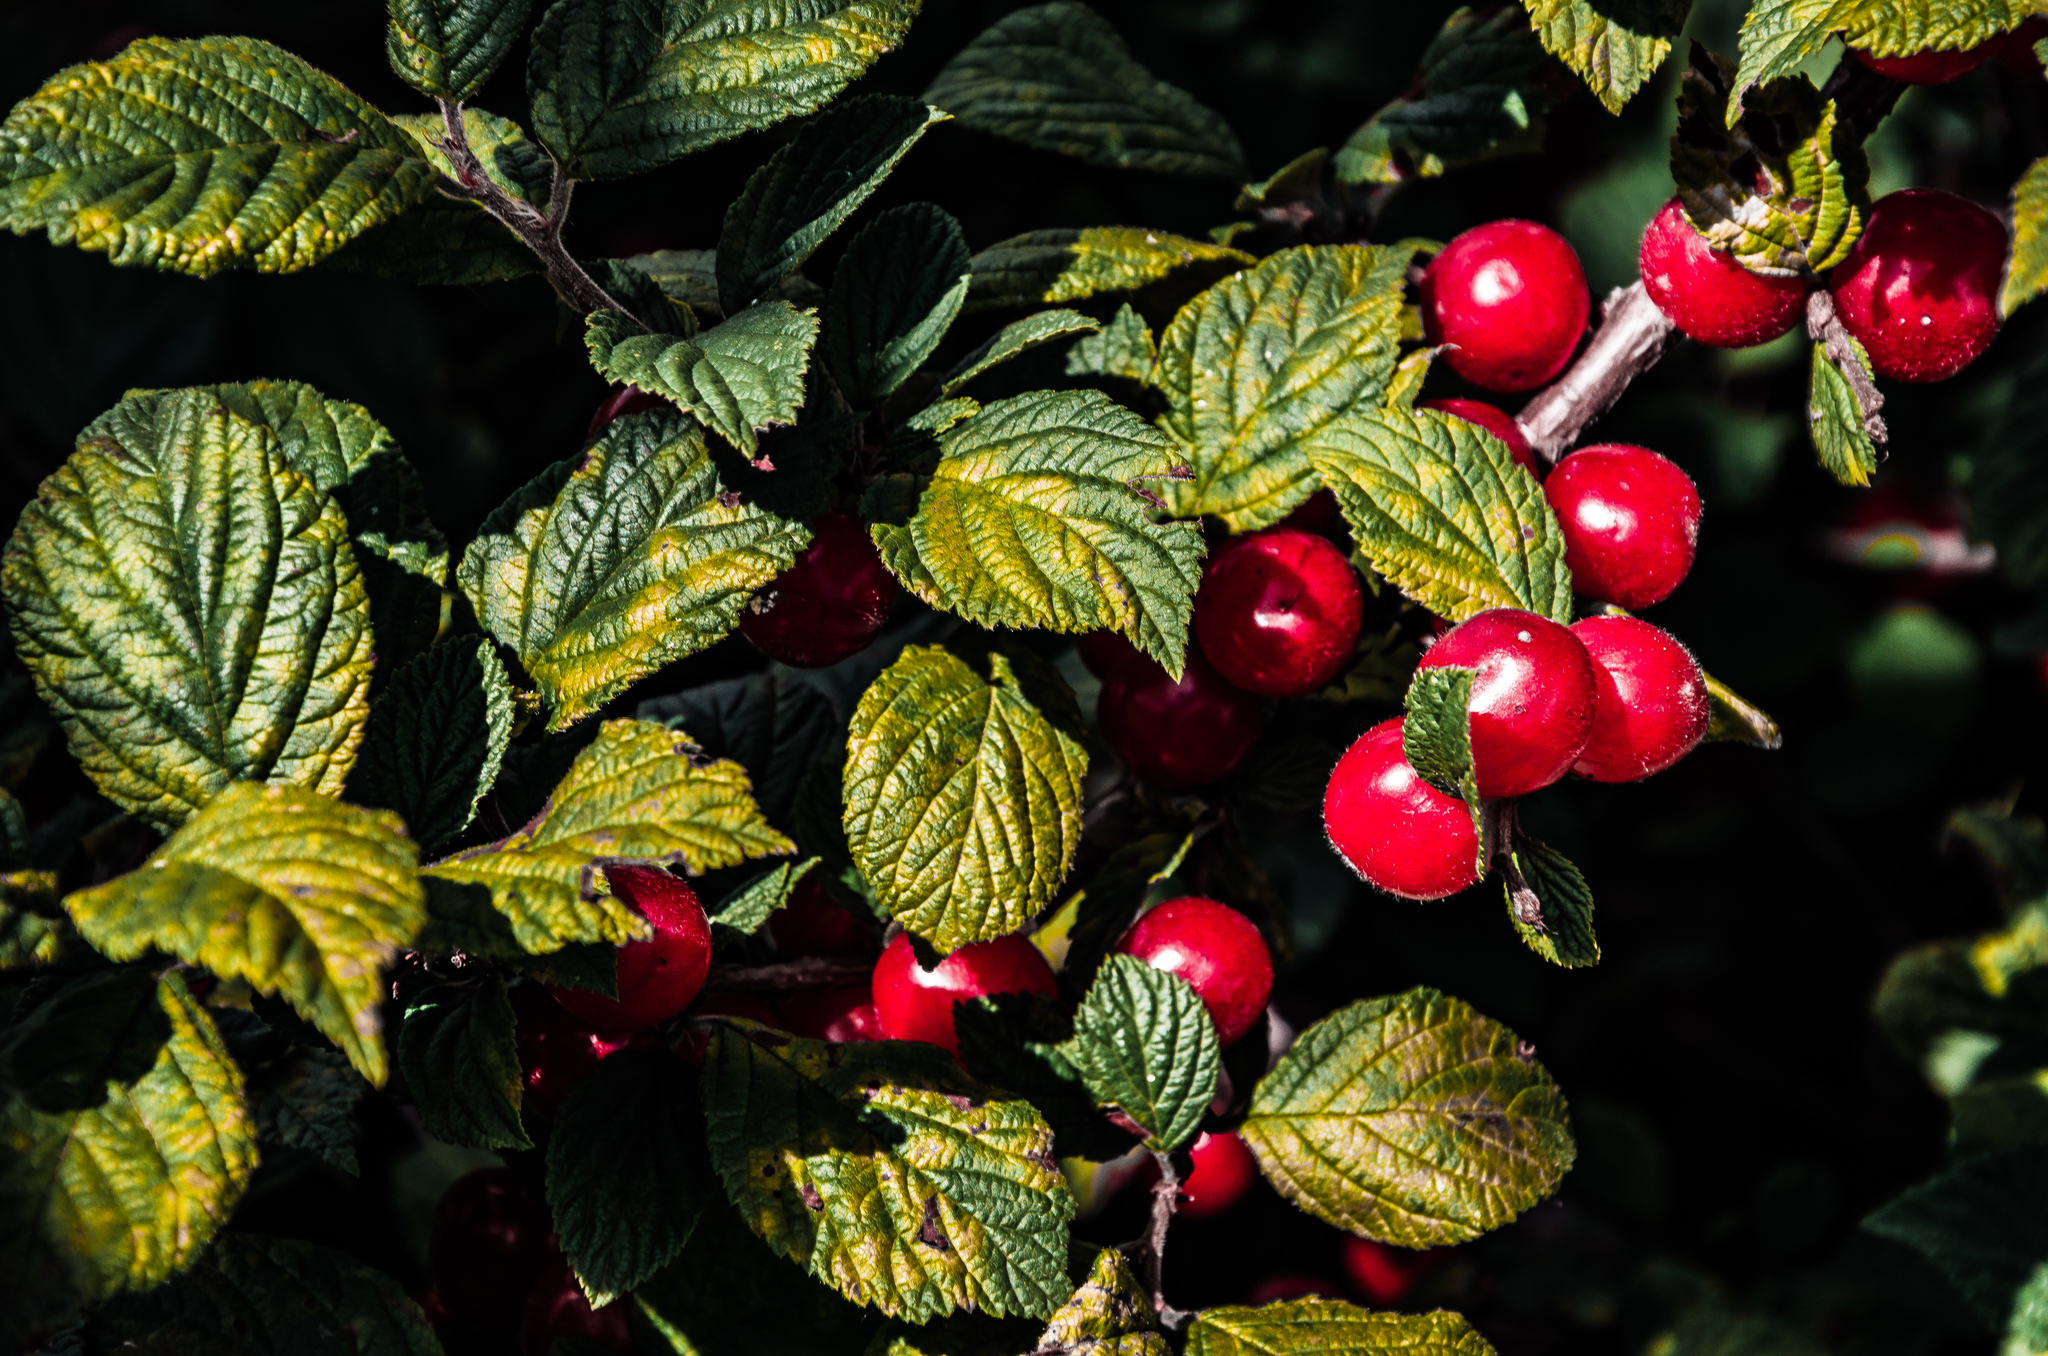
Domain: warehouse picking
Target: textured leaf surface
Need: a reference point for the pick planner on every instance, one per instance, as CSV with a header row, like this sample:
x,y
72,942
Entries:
x,y
447,49
747,908
1032,519
203,155
1109,1315
63,1047
1840,440
627,1175
1057,77
1478,97
1063,265
1565,935
1615,46
300,895
1410,1119
439,243
894,295
509,159
189,605
2026,272
1019,1041
1144,1043
1330,1328
606,567
963,800
889,1175
1983,1224
1253,367
737,377
1125,348
1436,739
307,1100
636,794
773,726
1440,508
436,738
461,1063
127,1193
1779,34
1730,717
1020,337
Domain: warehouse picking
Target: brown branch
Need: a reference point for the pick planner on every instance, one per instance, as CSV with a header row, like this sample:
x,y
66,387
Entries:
x,y
1150,1246
794,976
1630,339
1825,328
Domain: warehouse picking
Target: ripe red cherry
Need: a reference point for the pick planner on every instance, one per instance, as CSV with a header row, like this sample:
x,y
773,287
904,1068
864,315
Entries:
x,y
1707,294
1104,652
1394,829
624,401
829,604
657,977
1496,421
558,1309
1930,68
1652,707
915,1004
840,1015
1512,297
1532,697
810,924
1180,734
1631,522
556,1052
1223,1172
1920,290
490,1244
1385,1274
1214,948
1279,612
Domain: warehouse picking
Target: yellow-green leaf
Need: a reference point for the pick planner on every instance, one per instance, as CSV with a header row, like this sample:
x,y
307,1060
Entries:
x,y
1109,1315
1614,48
447,49
2026,274
1779,34
738,377
1330,1328
1064,265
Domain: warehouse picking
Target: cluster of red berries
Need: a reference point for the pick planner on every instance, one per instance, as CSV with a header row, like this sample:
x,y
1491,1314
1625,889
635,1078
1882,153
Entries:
x,y
495,1265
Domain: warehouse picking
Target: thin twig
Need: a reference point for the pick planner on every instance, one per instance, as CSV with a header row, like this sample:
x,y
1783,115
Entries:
x,y
795,976
1630,339
1825,328
1150,1247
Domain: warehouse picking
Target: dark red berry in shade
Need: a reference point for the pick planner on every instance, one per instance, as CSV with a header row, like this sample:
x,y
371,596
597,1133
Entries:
x,y
1224,1170
626,400
1631,522
1395,830
558,1309
1274,1289
1920,290
841,1015
915,1004
1512,297
1652,707
491,1243
1178,734
657,977
556,1051
1319,514
1279,612
1214,948
829,604
1929,68
2016,49
1532,697
1708,295
1385,1274
810,924
1496,421
1104,652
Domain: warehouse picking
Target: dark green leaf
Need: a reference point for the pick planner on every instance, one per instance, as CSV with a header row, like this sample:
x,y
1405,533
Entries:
x,y
102,1028
894,295
2008,487
1380,669
436,737
747,908
1563,931
738,377
1729,717
1143,1042
772,726
1983,1224
1057,77
439,243
1777,35
509,160
1615,46
1019,338
1479,96
1436,739
690,277
1017,1041
1114,895
447,49
1125,348
307,1100
461,1064
2013,848
2026,273
1062,265
33,929
1330,1328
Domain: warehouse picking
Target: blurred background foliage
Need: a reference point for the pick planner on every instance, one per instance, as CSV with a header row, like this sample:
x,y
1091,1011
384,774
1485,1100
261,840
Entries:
x,y
1738,1111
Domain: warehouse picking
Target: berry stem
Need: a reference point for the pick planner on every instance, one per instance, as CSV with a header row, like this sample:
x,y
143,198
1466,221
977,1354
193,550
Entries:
x,y
1825,328
1630,339
793,976
1151,1246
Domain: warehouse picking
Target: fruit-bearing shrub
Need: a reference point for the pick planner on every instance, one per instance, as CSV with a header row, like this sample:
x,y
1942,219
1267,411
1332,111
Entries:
x,y
829,864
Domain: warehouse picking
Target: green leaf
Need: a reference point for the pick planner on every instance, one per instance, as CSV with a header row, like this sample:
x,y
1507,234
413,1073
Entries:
x,y
1256,365
690,277
1109,1315
809,187
1476,95
447,49
1064,265
627,1176
886,1173
307,1100
1034,518
622,86
621,560
1441,509
773,726
31,931
747,908
300,895
1436,739
1729,717
1563,933
1143,1042
1330,1328
1018,1041
201,156
1058,78
2013,848
1114,895
125,1194
1777,35
100,1029
1412,1120
1841,438
963,800
460,1061
2026,272
1380,670
436,738
636,794
1125,348
1615,46
1983,1224
1018,338
894,295
173,548
510,161
740,376
439,243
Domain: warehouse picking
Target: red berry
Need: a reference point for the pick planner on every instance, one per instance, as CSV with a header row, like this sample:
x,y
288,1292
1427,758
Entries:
x,y
1214,948
1223,1172
1512,297
1496,421
1532,697
1920,290
556,1052
558,1309
915,1004
1274,1289
1319,514
1178,734
1707,294
839,1015
827,605
1104,652
491,1243
1396,830
1385,1274
2016,49
1930,68
624,401
1631,522
657,977
1279,612
810,924
1652,707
